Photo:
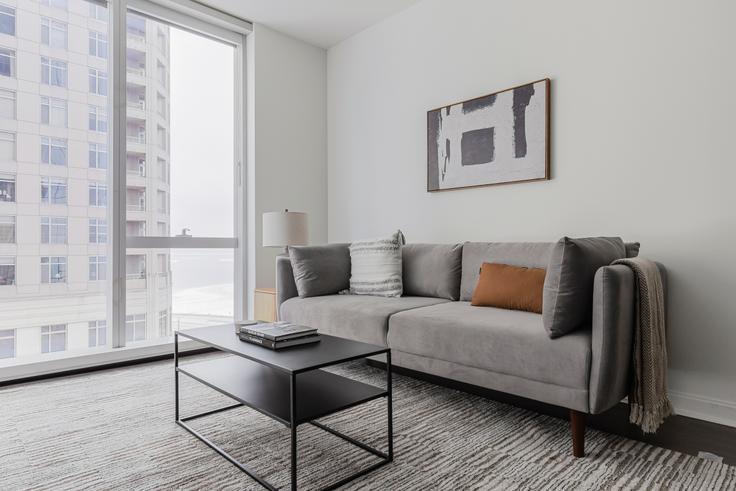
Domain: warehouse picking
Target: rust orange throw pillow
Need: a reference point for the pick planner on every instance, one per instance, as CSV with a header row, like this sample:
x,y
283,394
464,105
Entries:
x,y
509,287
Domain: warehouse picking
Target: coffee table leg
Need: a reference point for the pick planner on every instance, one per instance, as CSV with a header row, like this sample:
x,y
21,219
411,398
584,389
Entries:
x,y
176,376
390,403
293,430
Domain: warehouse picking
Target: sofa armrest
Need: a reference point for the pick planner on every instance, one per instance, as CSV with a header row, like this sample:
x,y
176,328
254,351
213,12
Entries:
x,y
612,336
614,310
285,284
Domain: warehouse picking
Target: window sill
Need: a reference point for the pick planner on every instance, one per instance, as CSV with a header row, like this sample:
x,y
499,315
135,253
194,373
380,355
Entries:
x,y
52,363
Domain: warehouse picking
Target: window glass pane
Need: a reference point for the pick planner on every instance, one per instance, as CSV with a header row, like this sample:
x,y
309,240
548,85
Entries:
x,y
48,238
7,62
7,104
7,20
175,191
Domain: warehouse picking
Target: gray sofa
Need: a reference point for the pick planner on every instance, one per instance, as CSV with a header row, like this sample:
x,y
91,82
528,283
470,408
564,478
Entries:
x,y
586,371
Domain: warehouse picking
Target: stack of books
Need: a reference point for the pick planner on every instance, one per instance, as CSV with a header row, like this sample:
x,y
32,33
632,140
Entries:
x,y
275,335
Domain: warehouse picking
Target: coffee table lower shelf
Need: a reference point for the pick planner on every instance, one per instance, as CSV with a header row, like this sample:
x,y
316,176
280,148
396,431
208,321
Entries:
x,y
291,399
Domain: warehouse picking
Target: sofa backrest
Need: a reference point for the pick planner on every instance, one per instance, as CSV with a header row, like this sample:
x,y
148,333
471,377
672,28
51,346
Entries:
x,y
528,254
432,270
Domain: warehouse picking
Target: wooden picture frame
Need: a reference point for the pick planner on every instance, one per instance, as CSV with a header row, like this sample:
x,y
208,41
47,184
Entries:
x,y
498,138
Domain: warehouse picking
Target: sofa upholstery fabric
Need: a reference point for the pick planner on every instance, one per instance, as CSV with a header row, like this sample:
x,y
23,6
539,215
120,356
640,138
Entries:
x,y
568,286
359,317
432,270
497,340
320,270
529,254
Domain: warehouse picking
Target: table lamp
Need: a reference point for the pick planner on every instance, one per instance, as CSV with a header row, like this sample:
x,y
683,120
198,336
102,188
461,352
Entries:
x,y
284,228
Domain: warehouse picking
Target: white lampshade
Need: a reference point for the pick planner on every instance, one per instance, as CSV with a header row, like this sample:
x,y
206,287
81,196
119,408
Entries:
x,y
284,228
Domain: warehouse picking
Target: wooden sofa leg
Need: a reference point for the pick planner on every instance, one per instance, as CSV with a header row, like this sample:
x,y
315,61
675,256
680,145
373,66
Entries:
x,y
577,424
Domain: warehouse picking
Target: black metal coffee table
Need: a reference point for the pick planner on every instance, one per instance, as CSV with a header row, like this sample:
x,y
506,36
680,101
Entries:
x,y
285,385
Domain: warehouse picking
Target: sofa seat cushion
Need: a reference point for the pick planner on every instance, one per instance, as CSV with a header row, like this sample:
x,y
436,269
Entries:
x,y
510,342
359,317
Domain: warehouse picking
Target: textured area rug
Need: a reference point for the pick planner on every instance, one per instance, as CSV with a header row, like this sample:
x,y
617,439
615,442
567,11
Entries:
x,y
114,429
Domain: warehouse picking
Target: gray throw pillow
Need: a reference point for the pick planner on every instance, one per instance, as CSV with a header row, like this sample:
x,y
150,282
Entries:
x,y
568,286
320,270
632,249
432,270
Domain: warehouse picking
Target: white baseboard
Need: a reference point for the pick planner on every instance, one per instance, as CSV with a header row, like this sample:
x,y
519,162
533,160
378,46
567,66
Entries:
x,y
705,408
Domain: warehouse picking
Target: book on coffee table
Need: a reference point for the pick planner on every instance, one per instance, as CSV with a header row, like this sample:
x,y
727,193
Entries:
x,y
276,345
276,331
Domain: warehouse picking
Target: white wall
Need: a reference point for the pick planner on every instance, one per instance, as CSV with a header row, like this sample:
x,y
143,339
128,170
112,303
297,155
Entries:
x,y
287,155
643,105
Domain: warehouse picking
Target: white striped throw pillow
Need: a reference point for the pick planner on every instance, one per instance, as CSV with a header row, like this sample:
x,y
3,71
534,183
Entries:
x,y
375,266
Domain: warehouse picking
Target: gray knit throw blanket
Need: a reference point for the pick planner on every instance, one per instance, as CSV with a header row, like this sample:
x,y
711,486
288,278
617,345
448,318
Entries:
x,y
648,402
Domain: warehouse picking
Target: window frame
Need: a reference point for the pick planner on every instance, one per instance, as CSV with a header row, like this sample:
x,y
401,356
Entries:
x,y
54,103
49,25
53,224
50,330
9,53
51,184
5,337
194,17
9,261
48,66
9,14
54,261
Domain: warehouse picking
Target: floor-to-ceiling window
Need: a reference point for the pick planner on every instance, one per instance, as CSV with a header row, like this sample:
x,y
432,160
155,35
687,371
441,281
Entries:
x,y
117,227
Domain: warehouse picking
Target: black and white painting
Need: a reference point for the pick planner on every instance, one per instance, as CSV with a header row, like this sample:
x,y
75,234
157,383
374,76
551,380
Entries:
x,y
497,138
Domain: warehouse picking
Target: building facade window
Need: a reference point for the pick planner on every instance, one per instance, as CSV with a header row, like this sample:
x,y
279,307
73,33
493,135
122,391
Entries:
x,y
53,72
53,151
97,231
53,33
53,269
7,20
135,266
7,146
161,134
163,170
53,230
162,201
7,343
53,338
53,111
7,230
7,62
97,333
98,119
163,229
135,327
97,268
57,4
7,270
98,44
97,81
7,104
98,156
7,188
161,71
164,326
97,194
98,12
53,191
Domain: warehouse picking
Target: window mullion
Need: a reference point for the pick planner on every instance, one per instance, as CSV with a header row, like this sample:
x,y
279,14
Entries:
x,y
118,41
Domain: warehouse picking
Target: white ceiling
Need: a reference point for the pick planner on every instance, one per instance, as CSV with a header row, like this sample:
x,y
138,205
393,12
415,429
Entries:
x,y
323,23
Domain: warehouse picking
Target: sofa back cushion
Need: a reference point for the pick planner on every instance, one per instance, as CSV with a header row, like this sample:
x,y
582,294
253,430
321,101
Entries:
x,y
432,270
526,254
568,286
320,270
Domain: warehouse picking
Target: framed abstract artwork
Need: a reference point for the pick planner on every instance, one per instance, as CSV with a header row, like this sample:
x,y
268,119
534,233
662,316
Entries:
x,y
493,139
